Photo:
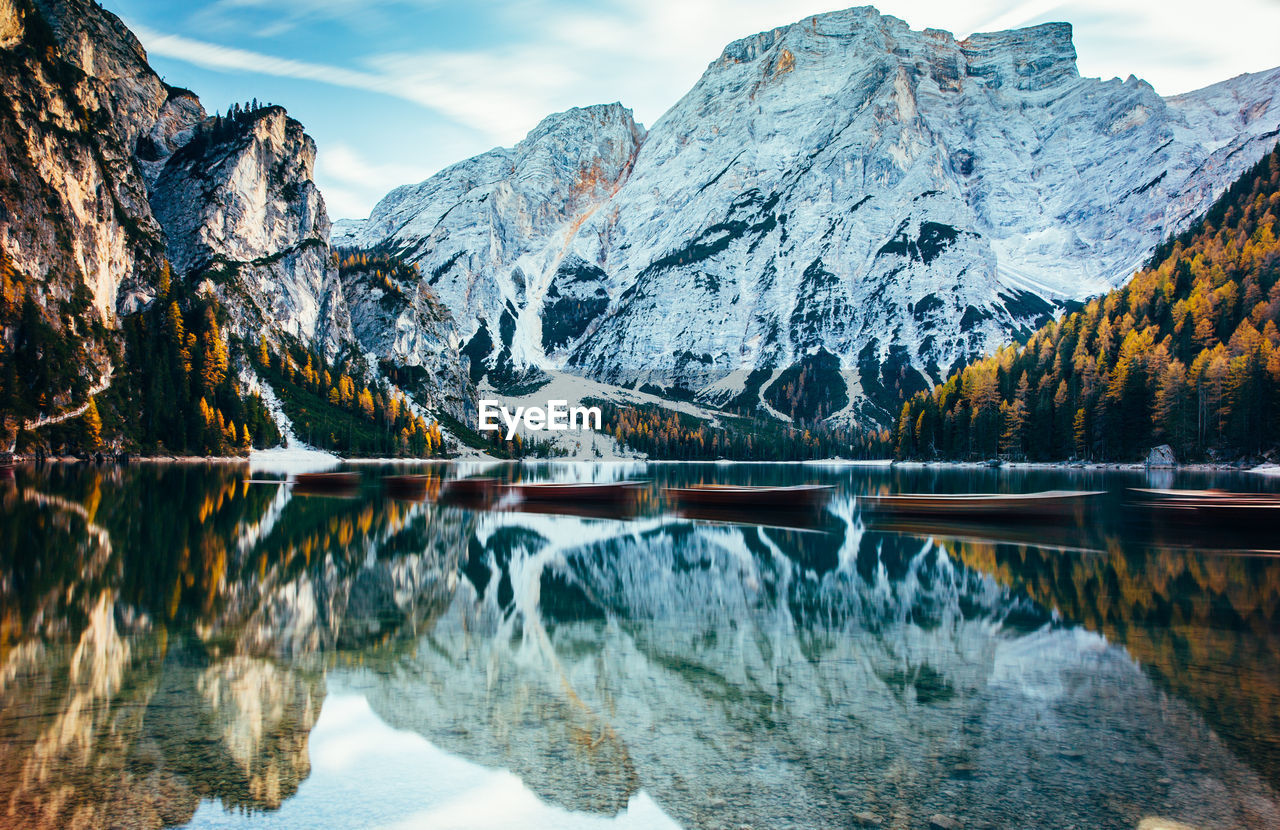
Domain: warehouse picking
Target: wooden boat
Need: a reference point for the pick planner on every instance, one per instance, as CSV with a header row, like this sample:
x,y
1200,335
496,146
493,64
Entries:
x,y
1048,504
468,488
1211,507
1203,496
576,491
335,483
740,496
412,487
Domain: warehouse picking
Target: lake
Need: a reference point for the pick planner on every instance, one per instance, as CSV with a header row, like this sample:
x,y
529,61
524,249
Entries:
x,y
183,647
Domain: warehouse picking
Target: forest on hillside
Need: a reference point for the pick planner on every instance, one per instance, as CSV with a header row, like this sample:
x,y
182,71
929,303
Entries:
x,y
170,386
332,407
174,387
1187,354
669,434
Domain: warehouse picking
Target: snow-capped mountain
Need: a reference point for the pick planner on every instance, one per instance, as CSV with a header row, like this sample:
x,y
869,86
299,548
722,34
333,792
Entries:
x,y
844,193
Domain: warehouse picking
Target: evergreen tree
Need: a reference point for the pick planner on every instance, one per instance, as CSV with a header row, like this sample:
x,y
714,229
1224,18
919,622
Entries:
x,y
1186,352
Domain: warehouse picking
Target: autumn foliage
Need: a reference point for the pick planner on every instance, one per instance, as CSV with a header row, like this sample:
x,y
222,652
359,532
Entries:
x,y
666,434
1187,353
332,407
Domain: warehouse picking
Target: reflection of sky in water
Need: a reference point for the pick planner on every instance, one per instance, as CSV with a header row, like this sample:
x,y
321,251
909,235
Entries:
x,y
398,780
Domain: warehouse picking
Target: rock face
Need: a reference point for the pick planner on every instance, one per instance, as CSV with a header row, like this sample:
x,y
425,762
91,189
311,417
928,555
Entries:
x,y
897,198
239,205
73,209
109,173
492,233
413,334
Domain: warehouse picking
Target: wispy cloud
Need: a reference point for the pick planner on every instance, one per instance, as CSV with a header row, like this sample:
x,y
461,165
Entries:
x,y
499,95
352,181
286,15
213,56
525,59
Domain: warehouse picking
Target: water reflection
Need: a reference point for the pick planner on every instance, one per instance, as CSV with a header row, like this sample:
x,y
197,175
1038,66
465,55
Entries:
x,y
169,635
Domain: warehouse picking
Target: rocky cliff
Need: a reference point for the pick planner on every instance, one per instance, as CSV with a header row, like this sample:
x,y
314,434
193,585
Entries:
x,y
241,210
109,174
78,243
396,317
509,220
899,199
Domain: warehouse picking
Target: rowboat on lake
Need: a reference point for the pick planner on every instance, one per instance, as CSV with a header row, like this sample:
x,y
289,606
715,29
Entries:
x,y
1006,507
326,483
469,488
1203,496
800,496
410,487
576,491
1210,507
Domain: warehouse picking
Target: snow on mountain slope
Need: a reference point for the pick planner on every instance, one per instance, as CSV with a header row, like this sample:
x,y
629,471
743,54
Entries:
x,y
842,187
489,233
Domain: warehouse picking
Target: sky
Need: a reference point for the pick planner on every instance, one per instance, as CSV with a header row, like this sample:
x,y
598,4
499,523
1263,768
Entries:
x,y
395,90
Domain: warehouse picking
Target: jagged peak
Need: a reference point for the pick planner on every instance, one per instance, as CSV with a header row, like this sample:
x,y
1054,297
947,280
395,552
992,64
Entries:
x,y
845,21
592,116
1030,58
84,27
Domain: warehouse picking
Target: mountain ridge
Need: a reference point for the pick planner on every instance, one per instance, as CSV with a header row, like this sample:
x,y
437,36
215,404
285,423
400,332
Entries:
x,y
968,222
146,241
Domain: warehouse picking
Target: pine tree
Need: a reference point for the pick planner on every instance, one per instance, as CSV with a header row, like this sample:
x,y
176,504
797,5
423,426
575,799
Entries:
x,y
1183,353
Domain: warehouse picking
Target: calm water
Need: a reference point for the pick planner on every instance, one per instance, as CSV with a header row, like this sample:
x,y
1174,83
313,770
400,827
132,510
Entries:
x,y
179,647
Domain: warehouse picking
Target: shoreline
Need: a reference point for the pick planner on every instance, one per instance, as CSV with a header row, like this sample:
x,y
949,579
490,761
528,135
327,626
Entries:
x,y
1264,468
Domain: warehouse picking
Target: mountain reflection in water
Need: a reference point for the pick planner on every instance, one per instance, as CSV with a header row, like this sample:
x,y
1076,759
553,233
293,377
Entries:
x,y
170,637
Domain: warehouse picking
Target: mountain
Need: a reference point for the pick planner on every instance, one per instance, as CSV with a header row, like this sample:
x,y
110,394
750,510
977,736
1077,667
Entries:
x,y
121,197
842,192
1187,353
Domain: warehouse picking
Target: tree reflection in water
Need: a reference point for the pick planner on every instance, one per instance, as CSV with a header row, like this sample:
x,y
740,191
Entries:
x,y
168,634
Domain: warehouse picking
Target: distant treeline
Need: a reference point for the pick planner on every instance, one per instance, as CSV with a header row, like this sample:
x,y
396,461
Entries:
x,y
1187,353
667,434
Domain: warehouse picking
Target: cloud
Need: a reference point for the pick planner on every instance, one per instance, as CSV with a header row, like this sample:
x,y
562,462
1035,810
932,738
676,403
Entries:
x,y
502,95
536,57
213,56
345,164
286,15
351,182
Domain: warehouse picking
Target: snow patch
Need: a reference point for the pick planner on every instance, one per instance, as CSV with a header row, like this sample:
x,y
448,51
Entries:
x,y
292,460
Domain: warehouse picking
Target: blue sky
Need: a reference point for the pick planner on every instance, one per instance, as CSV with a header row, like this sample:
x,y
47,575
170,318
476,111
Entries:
x,y
394,90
